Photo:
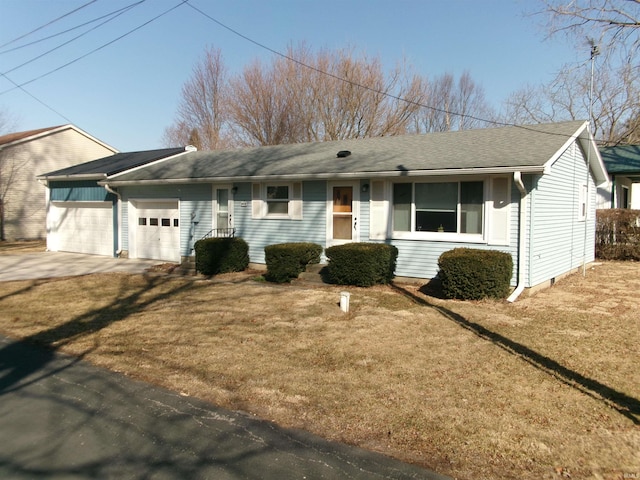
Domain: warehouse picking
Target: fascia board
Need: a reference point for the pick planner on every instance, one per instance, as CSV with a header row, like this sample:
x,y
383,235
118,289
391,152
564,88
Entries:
x,y
58,178
328,176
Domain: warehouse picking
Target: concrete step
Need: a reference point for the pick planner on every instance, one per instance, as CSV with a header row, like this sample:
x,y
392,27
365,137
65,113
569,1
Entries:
x,y
313,273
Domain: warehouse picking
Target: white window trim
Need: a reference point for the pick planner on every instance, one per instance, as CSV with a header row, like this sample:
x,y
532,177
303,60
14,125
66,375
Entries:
x,y
442,236
260,204
583,202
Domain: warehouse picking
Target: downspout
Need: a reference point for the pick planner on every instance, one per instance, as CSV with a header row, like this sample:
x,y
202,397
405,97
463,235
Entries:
x,y
522,244
118,215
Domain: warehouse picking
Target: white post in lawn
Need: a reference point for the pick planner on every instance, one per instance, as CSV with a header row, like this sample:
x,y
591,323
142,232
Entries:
x,y
344,301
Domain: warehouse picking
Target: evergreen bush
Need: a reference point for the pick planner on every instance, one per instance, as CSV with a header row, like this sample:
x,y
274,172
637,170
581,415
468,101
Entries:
x,y
286,261
221,255
473,274
361,264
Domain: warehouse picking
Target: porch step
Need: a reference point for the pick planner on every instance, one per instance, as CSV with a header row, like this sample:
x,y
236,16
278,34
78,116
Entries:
x,y
313,274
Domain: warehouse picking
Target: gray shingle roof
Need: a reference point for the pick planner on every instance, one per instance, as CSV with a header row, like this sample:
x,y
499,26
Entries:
x,y
527,149
113,164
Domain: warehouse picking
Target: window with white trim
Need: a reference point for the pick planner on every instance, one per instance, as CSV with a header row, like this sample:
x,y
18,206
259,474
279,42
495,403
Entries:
x,y
441,207
277,200
583,202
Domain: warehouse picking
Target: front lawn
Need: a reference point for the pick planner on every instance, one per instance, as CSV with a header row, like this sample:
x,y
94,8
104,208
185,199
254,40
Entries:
x,y
548,387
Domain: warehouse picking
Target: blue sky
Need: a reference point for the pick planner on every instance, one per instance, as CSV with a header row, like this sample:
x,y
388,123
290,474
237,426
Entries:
x,y
126,93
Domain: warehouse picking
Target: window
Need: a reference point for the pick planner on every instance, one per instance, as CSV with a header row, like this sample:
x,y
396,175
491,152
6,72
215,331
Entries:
x,y
582,202
277,200
142,221
446,207
153,222
166,222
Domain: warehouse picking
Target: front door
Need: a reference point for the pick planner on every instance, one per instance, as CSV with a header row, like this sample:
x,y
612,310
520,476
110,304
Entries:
x,y
342,221
222,211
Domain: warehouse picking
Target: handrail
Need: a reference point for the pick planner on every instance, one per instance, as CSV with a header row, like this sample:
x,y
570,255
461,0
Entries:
x,y
220,233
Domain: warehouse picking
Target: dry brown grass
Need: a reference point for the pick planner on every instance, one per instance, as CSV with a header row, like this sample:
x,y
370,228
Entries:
x,y
544,388
22,246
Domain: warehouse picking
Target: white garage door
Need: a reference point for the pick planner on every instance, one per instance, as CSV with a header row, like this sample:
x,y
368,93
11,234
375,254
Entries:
x,y
82,227
157,230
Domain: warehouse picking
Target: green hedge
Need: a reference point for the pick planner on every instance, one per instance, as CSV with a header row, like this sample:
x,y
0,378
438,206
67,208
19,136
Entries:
x,y
472,274
361,264
221,255
286,261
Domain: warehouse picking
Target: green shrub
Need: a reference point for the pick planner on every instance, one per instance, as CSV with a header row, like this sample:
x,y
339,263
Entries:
x,y
472,274
287,260
361,264
221,255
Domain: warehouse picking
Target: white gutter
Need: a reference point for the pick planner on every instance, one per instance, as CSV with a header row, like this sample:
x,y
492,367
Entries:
x,y
522,244
325,176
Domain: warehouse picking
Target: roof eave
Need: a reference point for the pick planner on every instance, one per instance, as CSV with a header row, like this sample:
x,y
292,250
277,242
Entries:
x,y
84,176
329,176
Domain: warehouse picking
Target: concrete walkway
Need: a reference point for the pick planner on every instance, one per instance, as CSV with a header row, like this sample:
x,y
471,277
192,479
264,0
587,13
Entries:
x,y
61,418
29,266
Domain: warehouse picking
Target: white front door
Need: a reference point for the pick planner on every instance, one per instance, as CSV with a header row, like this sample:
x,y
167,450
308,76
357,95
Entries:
x,y
156,232
343,209
222,211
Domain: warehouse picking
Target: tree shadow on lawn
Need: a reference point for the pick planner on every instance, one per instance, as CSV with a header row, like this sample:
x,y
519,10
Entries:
x,y
621,402
16,366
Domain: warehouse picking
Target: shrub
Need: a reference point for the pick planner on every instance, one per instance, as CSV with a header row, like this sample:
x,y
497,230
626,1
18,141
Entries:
x,y
618,234
287,260
361,264
472,274
221,255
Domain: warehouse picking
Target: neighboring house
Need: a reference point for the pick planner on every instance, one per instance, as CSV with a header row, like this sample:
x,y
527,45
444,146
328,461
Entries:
x,y
527,191
623,165
23,156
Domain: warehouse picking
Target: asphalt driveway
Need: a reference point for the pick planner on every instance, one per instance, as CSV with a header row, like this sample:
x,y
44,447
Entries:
x,y
29,266
62,418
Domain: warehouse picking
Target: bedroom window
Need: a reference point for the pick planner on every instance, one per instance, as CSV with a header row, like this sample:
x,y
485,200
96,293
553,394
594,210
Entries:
x,y
445,207
277,200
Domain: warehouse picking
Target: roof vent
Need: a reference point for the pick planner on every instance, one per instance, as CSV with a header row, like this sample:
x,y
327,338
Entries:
x,y
343,153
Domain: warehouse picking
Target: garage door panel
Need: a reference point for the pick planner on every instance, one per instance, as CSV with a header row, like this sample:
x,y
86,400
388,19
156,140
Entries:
x,y
79,228
157,227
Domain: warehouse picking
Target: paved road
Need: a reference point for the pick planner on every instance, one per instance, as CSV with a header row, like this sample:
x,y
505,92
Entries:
x,y
28,266
61,418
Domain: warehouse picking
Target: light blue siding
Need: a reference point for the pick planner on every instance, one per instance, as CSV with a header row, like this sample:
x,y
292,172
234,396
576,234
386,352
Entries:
x,y
559,240
195,202
261,232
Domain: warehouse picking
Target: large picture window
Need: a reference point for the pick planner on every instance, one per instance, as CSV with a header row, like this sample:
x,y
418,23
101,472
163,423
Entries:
x,y
453,207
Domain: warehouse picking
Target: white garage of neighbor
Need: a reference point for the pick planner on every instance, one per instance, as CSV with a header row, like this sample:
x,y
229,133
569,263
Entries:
x,y
82,227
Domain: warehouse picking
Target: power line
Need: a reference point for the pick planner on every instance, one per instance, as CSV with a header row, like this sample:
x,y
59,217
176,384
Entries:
x,y
41,102
121,12
24,45
94,50
355,84
48,23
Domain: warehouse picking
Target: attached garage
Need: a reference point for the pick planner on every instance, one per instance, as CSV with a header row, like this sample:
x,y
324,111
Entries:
x,y
81,227
154,229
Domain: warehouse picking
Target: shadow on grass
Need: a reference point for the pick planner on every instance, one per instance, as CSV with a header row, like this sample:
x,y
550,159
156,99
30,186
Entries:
x,y
621,402
15,368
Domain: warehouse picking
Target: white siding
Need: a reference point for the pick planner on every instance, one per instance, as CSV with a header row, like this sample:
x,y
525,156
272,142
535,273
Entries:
x,y
559,239
25,204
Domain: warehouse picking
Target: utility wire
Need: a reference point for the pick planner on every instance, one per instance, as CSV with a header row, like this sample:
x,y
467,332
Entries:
x,y
24,45
355,84
94,50
41,102
47,24
121,12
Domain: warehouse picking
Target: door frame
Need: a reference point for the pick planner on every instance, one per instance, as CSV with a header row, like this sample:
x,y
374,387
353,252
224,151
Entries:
x,y
214,204
355,211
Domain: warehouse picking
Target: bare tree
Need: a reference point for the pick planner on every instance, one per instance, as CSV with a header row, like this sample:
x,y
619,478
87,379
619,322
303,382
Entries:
x,y
202,113
8,168
613,23
452,105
